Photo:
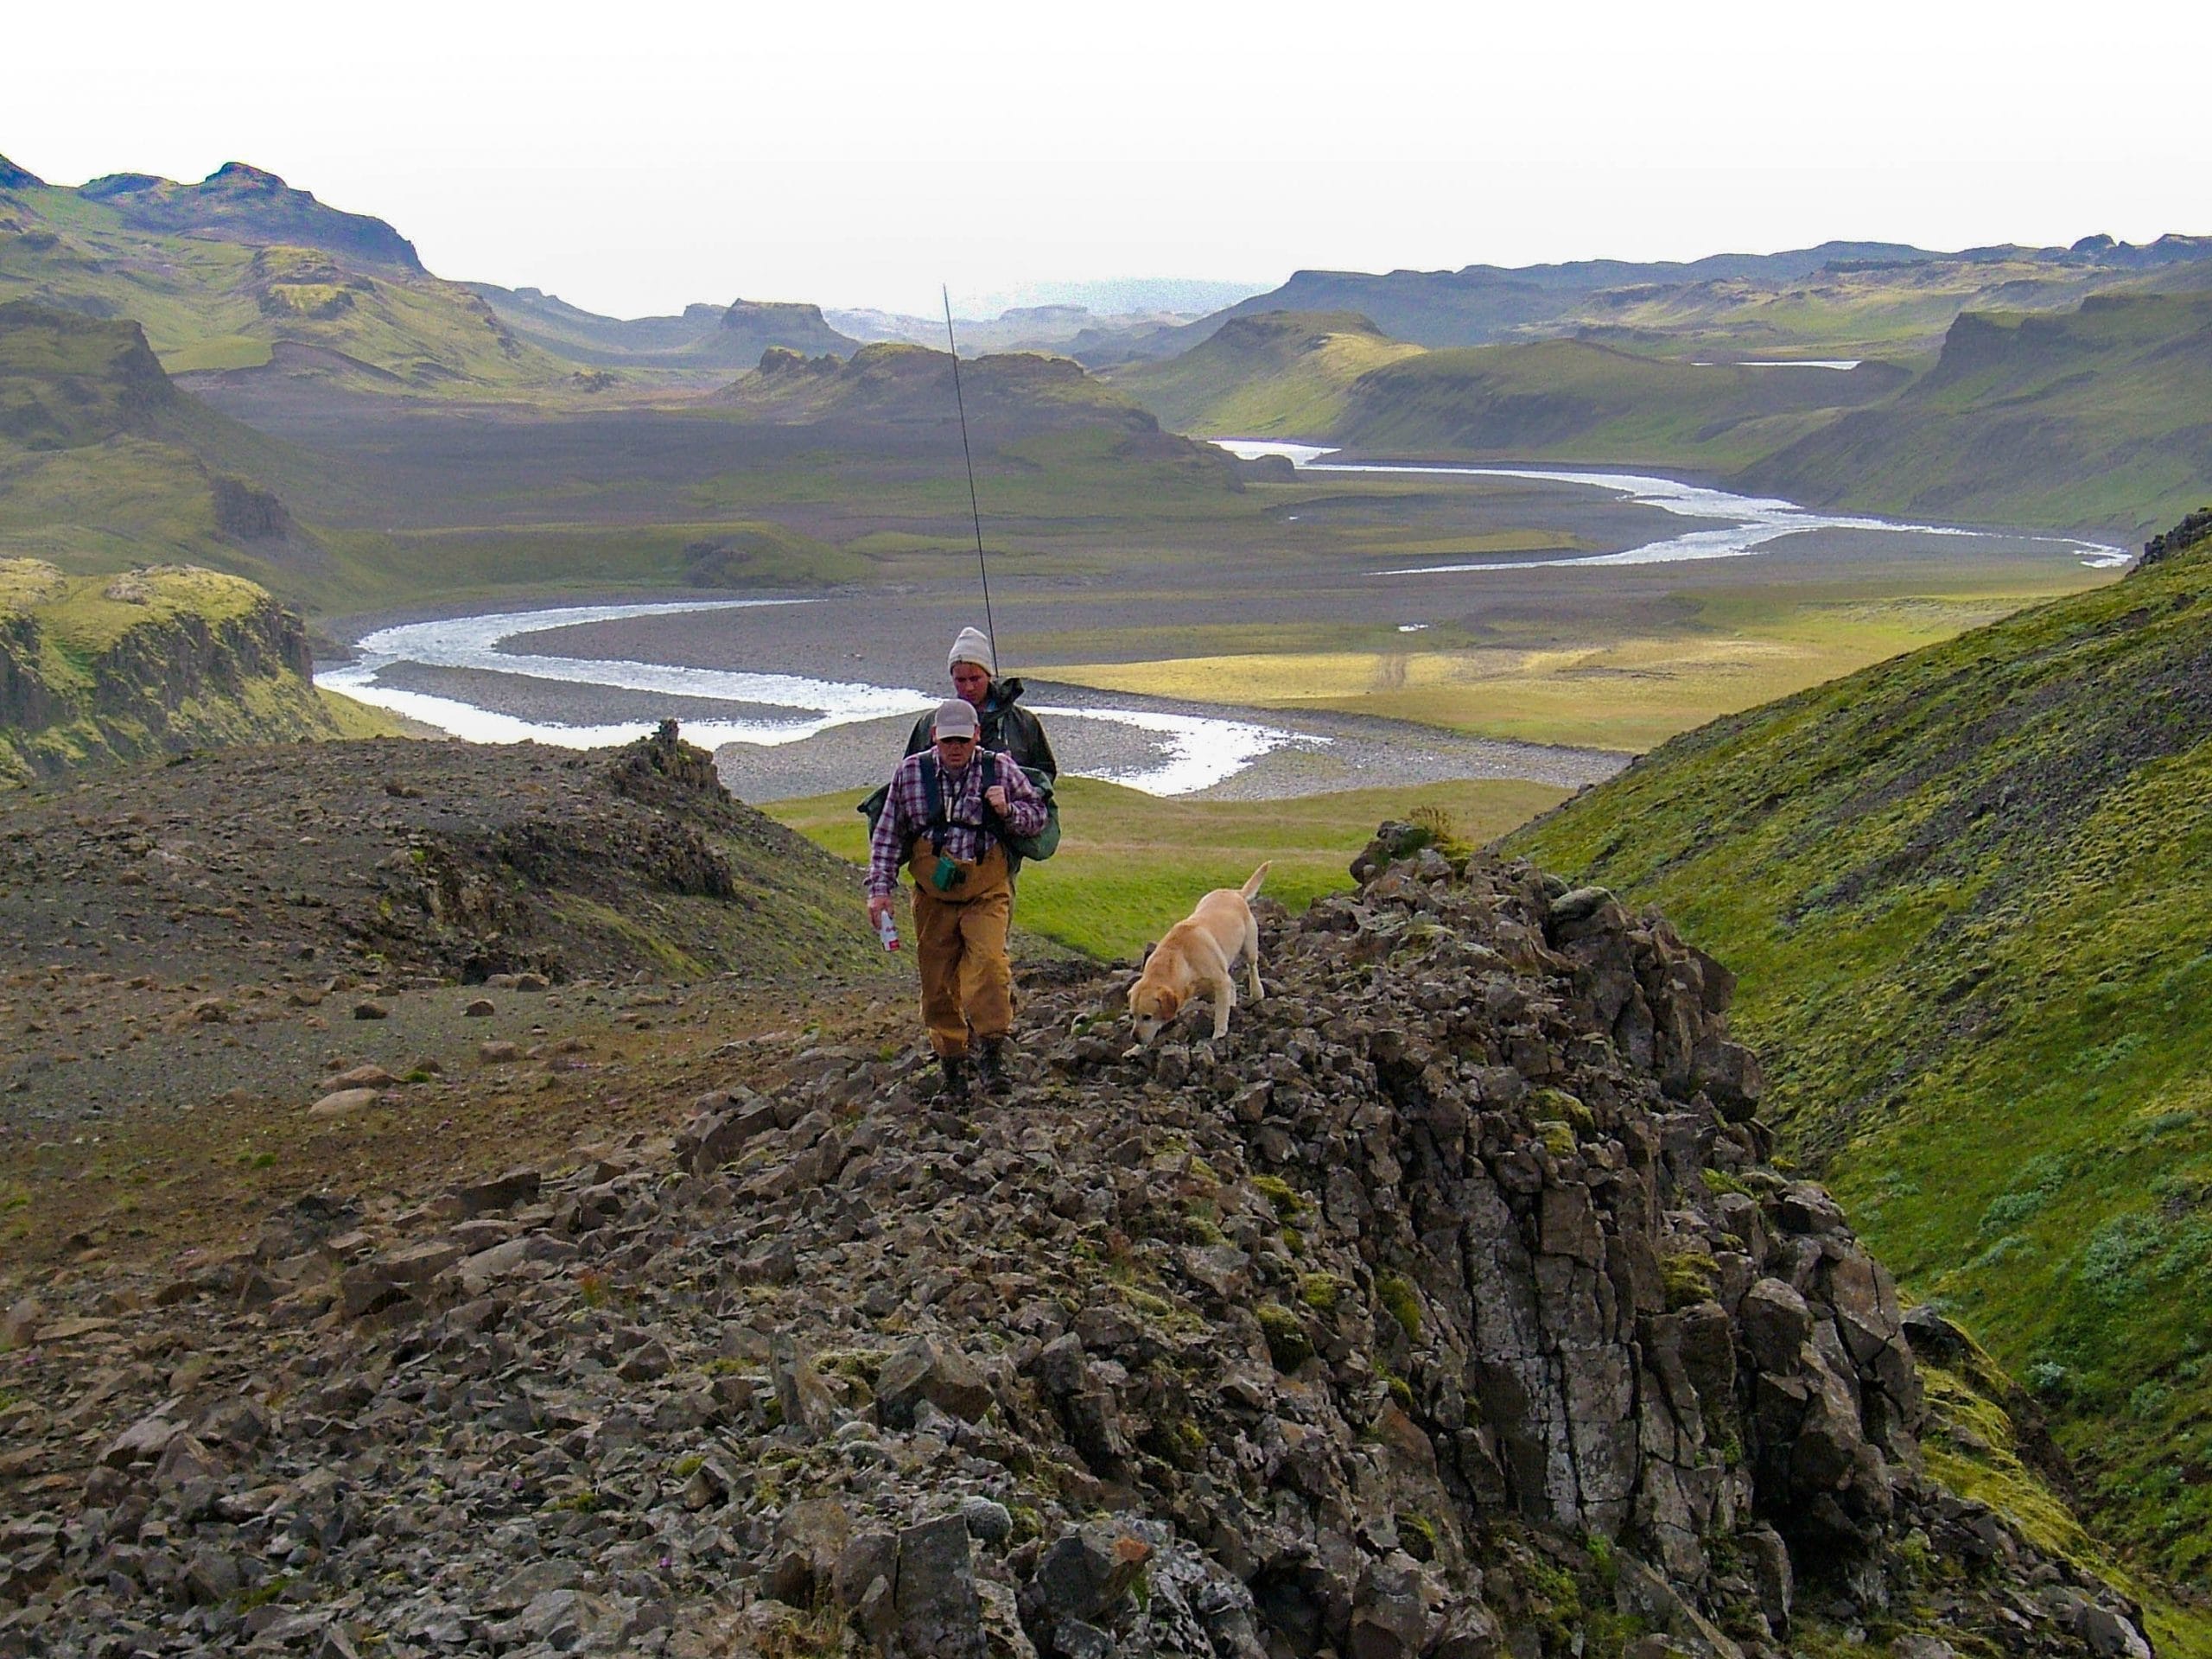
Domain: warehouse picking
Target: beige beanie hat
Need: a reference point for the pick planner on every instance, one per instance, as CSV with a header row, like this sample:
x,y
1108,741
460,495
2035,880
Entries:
x,y
972,647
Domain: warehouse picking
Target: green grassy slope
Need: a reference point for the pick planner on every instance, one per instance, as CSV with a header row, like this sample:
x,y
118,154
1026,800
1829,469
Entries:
x,y
103,463
1965,892
66,380
2095,416
226,292
1280,373
1569,399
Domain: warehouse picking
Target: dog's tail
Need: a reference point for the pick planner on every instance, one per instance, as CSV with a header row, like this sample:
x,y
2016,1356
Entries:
x,y
1258,876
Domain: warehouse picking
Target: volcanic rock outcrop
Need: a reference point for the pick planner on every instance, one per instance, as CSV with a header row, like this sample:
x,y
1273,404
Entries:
x,y
1445,1309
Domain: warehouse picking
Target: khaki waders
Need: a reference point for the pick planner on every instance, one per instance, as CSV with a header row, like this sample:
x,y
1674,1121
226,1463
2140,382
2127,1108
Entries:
x,y
960,948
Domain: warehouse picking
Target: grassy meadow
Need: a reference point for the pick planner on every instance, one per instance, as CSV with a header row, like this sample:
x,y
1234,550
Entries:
x,y
1131,865
1718,654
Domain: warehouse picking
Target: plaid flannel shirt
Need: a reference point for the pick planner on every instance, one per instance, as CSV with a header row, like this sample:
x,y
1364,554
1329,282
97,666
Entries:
x,y
906,813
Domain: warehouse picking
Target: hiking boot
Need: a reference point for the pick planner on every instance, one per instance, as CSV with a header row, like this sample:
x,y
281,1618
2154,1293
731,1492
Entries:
x,y
953,1086
990,1066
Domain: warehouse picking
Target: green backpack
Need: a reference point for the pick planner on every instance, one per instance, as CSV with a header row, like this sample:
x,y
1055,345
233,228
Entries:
x,y
1019,849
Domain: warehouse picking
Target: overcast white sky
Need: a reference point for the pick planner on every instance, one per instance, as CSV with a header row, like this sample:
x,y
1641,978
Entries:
x,y
632,158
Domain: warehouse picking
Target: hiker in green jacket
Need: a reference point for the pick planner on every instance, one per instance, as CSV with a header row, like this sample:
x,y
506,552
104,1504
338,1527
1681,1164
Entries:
x,y
1008,727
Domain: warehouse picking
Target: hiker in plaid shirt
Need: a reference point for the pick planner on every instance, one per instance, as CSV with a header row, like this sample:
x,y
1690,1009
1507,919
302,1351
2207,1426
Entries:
x,y
963,890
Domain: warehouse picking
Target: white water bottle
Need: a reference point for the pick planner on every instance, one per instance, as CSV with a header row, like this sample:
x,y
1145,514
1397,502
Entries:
x,y
887,931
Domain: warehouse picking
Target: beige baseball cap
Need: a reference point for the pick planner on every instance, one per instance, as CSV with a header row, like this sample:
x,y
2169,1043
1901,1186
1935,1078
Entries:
x,y
955,717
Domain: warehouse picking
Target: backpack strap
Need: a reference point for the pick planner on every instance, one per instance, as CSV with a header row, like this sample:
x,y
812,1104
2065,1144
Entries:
x,y
992,821
933,795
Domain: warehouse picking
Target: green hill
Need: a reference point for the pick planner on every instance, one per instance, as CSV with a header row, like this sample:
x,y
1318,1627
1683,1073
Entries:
x,y
105,463
703,339
1279,373
2094,416
66,380
1965,892
241,272
1571,400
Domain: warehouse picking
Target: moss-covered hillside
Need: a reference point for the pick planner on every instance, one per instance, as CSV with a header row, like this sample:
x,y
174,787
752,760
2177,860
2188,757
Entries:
x,y
1572,400
1967,893
98,670
2098,415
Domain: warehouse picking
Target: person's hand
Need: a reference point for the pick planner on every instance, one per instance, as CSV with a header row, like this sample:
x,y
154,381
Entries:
x,y
878,906
996,796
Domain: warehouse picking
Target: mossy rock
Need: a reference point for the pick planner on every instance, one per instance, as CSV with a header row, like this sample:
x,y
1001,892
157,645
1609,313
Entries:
x,y
1401,1301
1689,1277
1288,1345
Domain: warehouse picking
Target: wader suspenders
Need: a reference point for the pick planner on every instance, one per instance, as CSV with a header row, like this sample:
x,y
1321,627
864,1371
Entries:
x,y
933,797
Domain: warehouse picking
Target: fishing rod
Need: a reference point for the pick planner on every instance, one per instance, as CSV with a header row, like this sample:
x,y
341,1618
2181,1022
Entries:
x,y
990,627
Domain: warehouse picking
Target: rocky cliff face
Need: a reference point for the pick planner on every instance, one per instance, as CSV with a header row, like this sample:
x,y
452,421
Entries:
x,y
102,670
1444,1310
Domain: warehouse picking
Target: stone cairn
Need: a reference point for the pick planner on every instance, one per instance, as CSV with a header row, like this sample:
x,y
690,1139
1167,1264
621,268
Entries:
x,y
1446,1309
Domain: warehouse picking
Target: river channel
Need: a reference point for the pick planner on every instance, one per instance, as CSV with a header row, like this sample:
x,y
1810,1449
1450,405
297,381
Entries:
x,y
800,696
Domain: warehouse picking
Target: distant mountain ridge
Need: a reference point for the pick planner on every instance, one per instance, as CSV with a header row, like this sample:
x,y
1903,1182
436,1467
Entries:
x,y
239,203
1479,304
702,338
241,272
2065,393
888,383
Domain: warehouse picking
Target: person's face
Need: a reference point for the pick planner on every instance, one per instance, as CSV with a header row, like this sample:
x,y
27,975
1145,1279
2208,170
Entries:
x,y
953,753
971,683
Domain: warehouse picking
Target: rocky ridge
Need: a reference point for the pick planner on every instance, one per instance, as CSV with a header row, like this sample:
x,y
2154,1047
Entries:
x,y
1446,1309
423,861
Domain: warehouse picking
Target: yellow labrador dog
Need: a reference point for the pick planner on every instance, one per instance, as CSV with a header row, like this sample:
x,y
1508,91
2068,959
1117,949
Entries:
x,y
1200,950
